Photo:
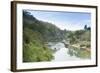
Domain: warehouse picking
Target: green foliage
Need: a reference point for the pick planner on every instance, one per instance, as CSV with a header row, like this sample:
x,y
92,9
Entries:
x,y
34,53
85,27
34,49
78,36
79,52
48,31
80,43
83,54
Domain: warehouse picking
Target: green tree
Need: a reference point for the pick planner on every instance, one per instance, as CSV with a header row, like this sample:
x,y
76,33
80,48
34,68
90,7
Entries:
x,y
85,27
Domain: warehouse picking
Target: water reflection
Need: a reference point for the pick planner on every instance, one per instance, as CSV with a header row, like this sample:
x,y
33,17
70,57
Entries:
x,y
61,53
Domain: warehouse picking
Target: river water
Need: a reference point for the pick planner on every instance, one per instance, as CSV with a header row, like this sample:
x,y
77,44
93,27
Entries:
x,y
62,52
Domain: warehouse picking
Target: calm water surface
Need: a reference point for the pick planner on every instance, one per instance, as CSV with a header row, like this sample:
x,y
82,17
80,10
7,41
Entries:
x,y
62,52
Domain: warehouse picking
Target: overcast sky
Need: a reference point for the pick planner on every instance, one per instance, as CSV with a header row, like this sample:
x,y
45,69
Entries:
x,y
64,20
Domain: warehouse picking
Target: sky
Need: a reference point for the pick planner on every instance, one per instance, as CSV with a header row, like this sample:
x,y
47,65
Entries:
x,y
64,20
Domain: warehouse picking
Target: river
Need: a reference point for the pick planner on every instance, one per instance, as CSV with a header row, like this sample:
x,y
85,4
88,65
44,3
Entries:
x,y
62,52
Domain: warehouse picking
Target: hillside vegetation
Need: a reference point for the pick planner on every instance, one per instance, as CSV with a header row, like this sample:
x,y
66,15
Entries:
x,y
80,43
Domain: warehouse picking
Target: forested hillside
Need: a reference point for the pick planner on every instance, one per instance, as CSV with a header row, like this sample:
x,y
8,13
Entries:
x,y
49,31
